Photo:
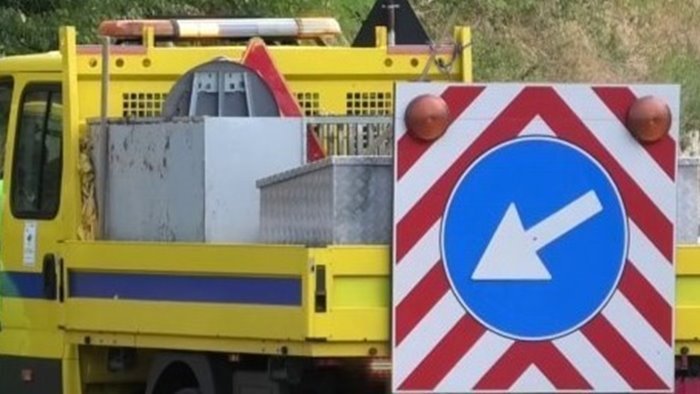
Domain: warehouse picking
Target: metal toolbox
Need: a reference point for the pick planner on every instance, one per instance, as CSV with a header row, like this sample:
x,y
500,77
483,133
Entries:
x,y
688,216
190,179
338,200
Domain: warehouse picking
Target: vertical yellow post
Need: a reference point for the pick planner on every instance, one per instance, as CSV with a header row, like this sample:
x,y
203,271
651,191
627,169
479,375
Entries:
x,y
71,370
464,38
70,199
380,37
149,38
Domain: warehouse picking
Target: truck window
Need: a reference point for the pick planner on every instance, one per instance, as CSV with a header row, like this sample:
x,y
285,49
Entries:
x,y
5,102
36,171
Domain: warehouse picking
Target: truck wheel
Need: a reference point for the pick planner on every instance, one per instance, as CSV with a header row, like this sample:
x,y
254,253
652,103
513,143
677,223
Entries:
x,y
188,373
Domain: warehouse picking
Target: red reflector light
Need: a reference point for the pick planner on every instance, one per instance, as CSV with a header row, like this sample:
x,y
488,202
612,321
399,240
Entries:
x,y
380,365
649,119
379,368
427,117
27,375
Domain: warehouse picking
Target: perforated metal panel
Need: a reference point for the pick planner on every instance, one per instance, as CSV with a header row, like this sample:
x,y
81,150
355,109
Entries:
x,y
310,103
369,103
142,104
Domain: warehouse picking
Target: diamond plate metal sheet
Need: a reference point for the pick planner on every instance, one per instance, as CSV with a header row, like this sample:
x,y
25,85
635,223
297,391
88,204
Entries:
x,y
339,200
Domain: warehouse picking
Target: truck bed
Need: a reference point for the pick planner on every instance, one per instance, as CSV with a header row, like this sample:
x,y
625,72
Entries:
x,y
319,302
260,299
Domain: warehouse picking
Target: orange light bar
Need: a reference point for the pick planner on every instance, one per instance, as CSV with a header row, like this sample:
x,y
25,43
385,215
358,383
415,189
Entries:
x,y
223,28
134,28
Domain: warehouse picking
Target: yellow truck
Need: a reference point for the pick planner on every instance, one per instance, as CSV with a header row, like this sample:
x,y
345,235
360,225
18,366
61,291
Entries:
x,y
132,261
332,302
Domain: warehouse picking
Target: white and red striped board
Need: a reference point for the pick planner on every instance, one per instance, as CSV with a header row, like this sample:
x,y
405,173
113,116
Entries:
x,y
438,344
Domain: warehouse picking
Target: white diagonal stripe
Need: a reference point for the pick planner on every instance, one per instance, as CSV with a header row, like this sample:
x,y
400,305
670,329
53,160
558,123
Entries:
x,y
607,129
533,380
657,354
425,336
537,126
652,264
417,263
443,153
590,363
475,363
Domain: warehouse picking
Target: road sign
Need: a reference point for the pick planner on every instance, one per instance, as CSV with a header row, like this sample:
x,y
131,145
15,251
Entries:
x,y
533,246
529,239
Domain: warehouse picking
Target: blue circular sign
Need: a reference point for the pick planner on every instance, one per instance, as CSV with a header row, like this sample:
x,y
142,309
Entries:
x,y
534,238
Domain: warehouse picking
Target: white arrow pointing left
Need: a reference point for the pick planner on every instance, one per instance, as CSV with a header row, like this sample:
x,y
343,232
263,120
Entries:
x,y
512,252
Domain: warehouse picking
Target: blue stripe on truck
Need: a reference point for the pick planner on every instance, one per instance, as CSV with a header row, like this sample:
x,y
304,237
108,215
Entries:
x,y
21,285
180,288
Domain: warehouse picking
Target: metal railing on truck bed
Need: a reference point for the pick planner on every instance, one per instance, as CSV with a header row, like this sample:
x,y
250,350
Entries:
x,y
353,135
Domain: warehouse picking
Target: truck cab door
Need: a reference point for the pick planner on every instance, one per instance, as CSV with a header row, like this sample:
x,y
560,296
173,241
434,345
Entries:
x,y
32,225
6,88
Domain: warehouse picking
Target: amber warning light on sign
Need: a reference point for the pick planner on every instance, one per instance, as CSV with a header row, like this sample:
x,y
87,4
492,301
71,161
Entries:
x,y
427,117
649,119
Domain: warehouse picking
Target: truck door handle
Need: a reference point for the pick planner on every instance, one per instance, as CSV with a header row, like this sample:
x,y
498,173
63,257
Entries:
x,y
320,293
50,277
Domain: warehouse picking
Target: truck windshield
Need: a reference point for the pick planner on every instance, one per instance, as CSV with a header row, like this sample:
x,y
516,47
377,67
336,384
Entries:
x,y
5,101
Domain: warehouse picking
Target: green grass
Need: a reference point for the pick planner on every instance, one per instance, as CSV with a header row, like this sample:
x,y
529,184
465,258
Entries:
x,y
683,67
596,41
621,41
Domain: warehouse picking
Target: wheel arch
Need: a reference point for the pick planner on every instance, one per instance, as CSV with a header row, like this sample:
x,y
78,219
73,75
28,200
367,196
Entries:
x,y
169,372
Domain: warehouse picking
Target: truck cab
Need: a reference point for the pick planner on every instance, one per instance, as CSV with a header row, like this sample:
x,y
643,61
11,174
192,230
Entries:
x,y
32,134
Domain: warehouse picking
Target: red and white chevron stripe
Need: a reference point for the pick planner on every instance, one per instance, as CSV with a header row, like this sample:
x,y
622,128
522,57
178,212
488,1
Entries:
x,y
437,345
